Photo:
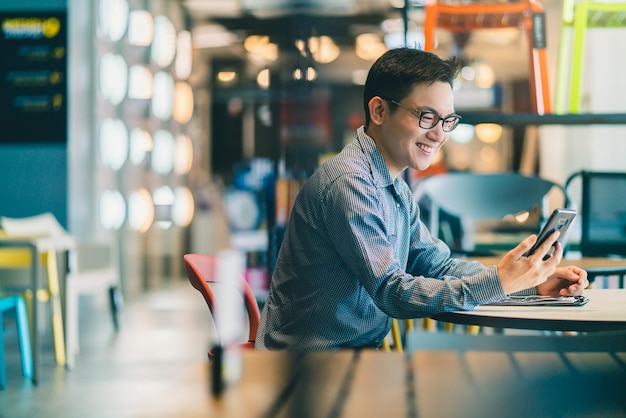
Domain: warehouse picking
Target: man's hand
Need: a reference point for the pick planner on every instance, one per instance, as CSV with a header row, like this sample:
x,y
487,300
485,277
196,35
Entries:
x,y
566,281
518,272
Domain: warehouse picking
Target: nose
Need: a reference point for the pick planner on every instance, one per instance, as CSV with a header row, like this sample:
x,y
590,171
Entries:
x,y
436,133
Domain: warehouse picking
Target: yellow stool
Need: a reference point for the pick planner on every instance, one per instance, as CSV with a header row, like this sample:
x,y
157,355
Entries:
x,y
17,258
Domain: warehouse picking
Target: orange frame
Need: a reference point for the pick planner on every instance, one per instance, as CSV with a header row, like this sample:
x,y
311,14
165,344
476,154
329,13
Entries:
x,y
468,17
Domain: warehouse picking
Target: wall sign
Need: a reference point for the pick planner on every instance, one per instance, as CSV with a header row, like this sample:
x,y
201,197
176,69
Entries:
x,y
33,77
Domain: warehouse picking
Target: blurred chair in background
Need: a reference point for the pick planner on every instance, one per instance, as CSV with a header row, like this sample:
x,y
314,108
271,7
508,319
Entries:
x,y
91,267
577,18
201,272
494,198
528,15
39,227
94,270
16,303
602,218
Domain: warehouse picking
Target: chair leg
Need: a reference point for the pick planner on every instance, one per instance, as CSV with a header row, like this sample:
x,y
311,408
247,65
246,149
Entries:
x,y
430,24
71,322
3,371
57,315
580,27
116,300
24,337
395,332
538,70
560,102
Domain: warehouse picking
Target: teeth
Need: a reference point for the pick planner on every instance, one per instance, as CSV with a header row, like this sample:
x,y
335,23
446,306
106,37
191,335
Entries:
x,y
425,147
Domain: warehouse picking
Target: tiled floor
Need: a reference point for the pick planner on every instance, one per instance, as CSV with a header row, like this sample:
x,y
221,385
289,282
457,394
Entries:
x,y
155,366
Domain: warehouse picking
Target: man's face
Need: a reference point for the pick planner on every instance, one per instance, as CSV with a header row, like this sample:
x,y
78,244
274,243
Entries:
x,y
402,141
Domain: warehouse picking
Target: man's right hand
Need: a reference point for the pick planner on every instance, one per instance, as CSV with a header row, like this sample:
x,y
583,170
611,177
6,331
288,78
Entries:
x,y
518,272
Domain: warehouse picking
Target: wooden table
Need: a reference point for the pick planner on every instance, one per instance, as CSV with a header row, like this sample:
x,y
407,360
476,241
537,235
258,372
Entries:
x,y
606,311
441,384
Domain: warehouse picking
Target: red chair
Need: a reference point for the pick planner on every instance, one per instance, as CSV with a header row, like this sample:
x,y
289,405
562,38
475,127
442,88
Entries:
x,y
201,270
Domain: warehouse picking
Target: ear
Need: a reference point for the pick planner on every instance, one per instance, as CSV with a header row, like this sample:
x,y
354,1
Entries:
x,y
378,109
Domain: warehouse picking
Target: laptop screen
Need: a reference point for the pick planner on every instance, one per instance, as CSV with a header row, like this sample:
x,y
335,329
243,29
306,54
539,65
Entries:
x,y
603,214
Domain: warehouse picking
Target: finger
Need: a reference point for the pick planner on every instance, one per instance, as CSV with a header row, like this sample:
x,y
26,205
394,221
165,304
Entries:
x,y
557,255
523,247
546,245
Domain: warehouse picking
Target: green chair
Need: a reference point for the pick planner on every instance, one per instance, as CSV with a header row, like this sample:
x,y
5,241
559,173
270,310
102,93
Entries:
x,y
578,16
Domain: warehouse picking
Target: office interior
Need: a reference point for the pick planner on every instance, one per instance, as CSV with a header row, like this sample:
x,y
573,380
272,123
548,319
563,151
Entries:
x,y
186,126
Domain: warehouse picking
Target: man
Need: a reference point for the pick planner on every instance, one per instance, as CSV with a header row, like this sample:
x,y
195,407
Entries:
x,y
355,253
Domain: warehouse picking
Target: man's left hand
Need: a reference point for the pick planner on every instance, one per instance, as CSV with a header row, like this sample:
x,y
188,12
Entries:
x,y
565,281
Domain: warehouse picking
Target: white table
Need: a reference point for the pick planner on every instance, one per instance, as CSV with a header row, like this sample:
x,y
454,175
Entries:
x,y
606,311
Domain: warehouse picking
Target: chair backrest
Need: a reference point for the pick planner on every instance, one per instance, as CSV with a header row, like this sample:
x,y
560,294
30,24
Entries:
x,y
44,224
602,213
481,197
201,271
465,17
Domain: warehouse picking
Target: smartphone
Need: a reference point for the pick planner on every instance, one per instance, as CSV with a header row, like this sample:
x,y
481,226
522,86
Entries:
x,y
560,220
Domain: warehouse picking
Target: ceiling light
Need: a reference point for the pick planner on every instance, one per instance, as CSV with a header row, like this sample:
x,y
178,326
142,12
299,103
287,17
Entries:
x,y
112,209
323,49
488,133
113,78
113,144
182,212
184,154
263,78
308,74
164,44
226,77
140,28
140,83
184,49
113,17
183,102
140,210
140,145
163,152
162,95
369,46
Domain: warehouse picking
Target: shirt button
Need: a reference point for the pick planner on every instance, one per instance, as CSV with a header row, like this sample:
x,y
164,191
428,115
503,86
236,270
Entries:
x,y
397,204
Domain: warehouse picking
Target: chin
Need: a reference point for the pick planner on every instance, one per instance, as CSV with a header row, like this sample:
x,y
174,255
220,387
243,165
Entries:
x,y
422,165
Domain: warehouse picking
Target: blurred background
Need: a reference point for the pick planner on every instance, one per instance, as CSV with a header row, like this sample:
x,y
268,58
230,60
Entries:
x,y
184,126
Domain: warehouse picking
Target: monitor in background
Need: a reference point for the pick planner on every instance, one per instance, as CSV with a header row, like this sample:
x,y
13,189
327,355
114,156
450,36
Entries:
x,y
603,221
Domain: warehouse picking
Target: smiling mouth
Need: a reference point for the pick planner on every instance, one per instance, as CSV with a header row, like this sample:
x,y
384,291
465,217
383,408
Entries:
x,y
426,148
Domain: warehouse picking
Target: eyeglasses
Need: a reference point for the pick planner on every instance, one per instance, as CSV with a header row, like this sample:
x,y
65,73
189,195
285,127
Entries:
x,y
429,119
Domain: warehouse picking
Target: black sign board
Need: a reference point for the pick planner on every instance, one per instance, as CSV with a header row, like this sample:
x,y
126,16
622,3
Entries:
x,y
33,77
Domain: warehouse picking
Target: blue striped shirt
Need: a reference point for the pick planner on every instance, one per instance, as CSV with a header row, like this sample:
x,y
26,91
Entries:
x,y
355,254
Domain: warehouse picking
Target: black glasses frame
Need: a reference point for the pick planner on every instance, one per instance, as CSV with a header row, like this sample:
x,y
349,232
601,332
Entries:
x,y
449,123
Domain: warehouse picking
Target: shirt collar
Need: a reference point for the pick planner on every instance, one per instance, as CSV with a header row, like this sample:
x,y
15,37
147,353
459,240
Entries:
x,y
379,169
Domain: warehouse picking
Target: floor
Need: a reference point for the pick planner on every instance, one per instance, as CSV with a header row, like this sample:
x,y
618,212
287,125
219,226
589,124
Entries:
x,y
155,366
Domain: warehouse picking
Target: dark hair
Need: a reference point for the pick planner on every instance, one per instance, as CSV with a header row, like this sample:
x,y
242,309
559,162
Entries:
x,y
398,71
